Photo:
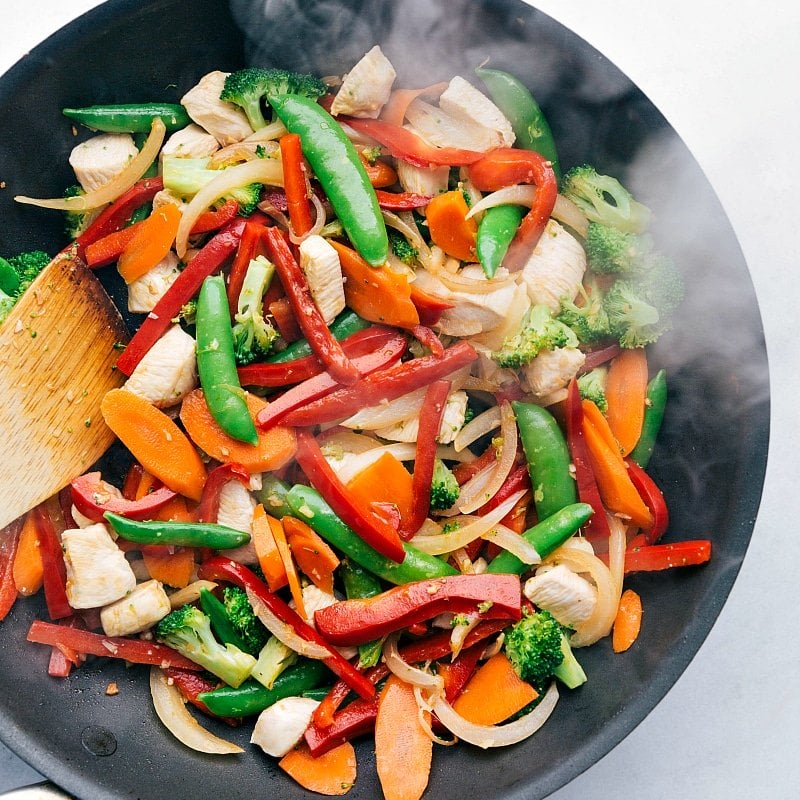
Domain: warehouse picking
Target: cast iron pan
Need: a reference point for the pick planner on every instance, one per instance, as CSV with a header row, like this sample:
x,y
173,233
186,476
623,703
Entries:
x,y
712,455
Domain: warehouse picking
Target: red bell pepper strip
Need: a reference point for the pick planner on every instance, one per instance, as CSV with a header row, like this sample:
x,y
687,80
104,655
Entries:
x,y
325,712
63,658
249,247
220,568
107,250
207,262
456,674
295,184
319,337
362,620
430,420
137,651
92,497
285,320
208,508
355,719
425,336
653,499
324,383
401,201
65,502
374,530
469,469
9,539
191,684
518,480
55,571
596,529
286,373
665,556
213,220
387,384
130,486
506,167
406,145
599,356
429,308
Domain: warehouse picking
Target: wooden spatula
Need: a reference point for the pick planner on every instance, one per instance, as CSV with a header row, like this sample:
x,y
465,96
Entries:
x,y
56,357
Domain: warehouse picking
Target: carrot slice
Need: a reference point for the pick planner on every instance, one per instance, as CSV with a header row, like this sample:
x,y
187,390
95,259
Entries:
x,y
278,534
151,242
380,173
173,569
403,751
269,559
156,442
628,621
494,693
332,773
274,449
385,481
147,483
28,569
596,417
626,393
313,555
448,227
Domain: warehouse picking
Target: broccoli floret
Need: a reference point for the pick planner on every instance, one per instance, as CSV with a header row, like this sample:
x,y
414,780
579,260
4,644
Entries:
x,y
589,321
187,313
188,630
444,487
243,619
610,250
274,658
604,199
28,266
185,177
402,248
253,335
249,87
6,304
76,222
539,331
592,386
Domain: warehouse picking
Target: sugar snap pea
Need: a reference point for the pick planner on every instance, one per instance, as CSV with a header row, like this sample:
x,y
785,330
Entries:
x,y
129,117
183,534
653,417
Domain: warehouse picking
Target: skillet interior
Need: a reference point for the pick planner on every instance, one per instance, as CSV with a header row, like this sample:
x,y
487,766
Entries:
x,y
127,51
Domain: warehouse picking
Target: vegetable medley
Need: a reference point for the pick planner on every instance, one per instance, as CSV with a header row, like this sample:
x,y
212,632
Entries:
x,y
388,411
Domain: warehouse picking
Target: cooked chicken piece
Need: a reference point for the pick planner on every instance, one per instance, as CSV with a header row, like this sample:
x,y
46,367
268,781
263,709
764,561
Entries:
x,y
236,507
366,88
512,322
79,519
452,421
165,197
101,158
190,142
320,264
146,605
97,572
427,181
552,370
168,372
463,101
281,726
567,596
226,122
555,268
441,129
145,292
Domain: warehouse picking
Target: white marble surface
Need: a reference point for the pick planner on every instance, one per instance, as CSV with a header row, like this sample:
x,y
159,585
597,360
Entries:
x,y
724,74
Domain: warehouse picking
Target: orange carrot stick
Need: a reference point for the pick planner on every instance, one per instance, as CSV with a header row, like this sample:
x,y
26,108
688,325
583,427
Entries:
x,y
626,393
597,418
276,527
173,569
269,559
156,442
385,481
313,555
332,773
448,227
28,569
380,173
628,621
151,242
403,751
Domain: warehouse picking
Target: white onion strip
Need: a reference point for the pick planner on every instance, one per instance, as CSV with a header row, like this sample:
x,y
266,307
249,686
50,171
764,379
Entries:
x,y
171,710
424,713
407,673
460,632
458,283
409,229
616,552
566,212
272,130
190,593
486,736
477,427
515,544
259,170
518,195
286,633
114,188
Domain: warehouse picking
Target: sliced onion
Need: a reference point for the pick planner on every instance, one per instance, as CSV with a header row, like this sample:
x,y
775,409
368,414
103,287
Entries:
x,y
458,283
171,710
404,223
517,195
272,130
190,593
515,544
460,633
233,153
259,170
424,713
478,426
407,673
345,441
117,186
285,633
487,736
566,212
616,552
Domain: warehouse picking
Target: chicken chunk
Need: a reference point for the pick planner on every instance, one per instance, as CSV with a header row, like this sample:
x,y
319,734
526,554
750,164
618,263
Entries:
x,y
455,411
236,507
145,292
168,372
190,142
555,268
281,726
427,181
101,158
146,605
463,101
567,596
323,271
366,88
97,572
226,122
552,370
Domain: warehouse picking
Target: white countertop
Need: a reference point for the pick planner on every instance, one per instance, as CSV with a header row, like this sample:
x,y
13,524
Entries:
x,y
724,74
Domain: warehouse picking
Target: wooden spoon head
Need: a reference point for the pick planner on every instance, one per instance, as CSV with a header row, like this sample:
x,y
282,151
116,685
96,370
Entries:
x,y
57,355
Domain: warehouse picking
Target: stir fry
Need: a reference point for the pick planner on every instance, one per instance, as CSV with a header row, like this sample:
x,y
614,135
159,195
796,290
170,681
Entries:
x,y
388,412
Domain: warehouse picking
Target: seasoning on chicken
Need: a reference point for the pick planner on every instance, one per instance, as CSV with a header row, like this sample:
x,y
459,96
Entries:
x,y
224,121
467,104
190,142
146,605
567,596
320,264
101,158
145,292
367,86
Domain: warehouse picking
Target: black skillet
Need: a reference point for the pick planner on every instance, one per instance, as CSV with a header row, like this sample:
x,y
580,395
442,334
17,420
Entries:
x,y
712,454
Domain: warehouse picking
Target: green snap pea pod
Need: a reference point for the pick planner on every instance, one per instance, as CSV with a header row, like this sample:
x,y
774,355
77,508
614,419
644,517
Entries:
x,y
272,495
530,125
316,694
216,363
129,117
358,584
346,324
548,459
183,534
545,537
336,165
307,504
214,609
656,403
495,232
252,698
